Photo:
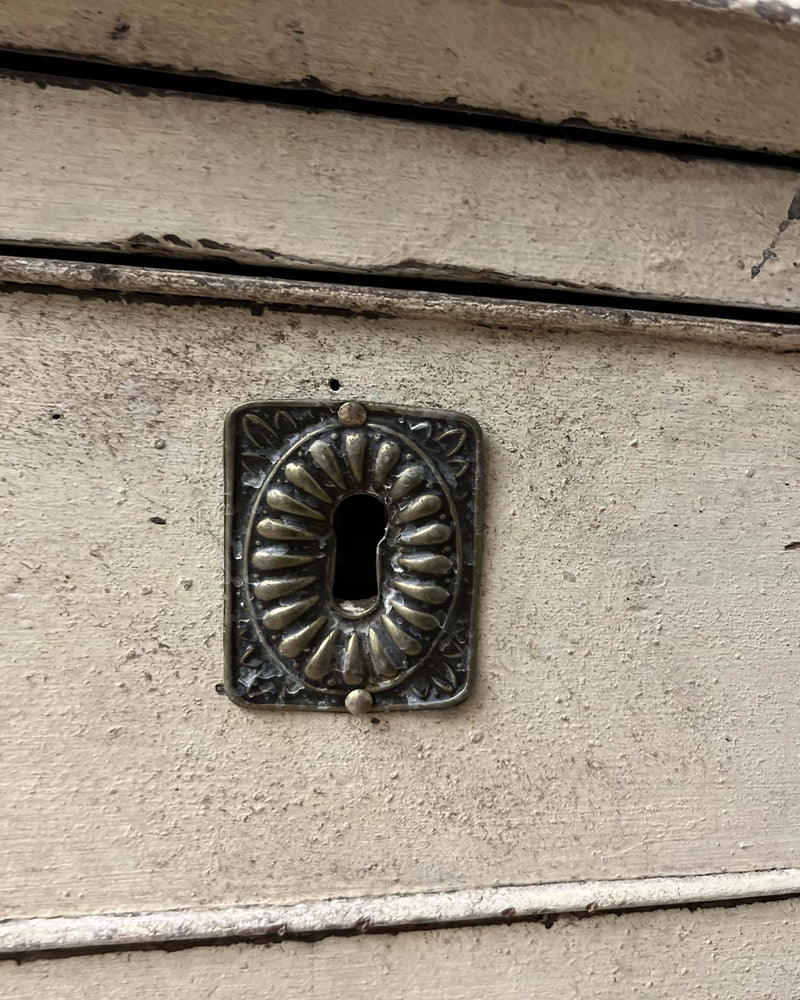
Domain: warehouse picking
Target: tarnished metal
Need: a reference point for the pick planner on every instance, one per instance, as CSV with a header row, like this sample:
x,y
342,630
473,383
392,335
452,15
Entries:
x,y
290,642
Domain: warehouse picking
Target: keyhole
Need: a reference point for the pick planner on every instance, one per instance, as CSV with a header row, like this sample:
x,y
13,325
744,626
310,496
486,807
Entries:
x,y
359,525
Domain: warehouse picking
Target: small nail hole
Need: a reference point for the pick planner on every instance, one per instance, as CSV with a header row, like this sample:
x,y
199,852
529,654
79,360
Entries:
x,y
57,416
335,384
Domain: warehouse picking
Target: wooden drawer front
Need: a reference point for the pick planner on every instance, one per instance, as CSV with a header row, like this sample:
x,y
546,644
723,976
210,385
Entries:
x,y
264,185
635,711
656,67
741,953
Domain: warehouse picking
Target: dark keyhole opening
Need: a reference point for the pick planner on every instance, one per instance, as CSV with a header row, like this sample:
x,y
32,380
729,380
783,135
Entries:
x,y
359,524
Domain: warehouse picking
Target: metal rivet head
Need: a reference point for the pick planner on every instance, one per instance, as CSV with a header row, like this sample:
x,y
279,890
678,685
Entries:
x,y
352,414
358,702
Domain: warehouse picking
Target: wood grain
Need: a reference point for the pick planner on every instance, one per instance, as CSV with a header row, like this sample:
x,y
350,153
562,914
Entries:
x,y
728,75
742,953
636,705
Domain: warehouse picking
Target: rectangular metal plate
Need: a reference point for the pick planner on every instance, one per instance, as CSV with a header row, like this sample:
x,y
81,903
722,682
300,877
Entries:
x,y
292,642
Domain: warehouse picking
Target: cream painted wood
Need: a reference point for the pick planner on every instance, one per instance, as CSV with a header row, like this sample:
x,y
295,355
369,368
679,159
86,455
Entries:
x,y
741,953
270,185
658,67
53,936
635,711
407,303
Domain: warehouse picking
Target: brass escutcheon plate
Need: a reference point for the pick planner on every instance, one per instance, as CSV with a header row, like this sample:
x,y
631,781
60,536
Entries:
x,y
291,642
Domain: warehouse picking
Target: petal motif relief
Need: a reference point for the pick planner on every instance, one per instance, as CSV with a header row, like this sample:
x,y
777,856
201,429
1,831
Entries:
x,y
290,642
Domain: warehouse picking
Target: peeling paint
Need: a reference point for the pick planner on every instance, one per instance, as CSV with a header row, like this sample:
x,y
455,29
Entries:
x,y
775,12
792,214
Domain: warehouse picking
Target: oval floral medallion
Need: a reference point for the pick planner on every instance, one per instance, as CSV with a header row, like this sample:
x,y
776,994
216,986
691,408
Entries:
x,y
399,628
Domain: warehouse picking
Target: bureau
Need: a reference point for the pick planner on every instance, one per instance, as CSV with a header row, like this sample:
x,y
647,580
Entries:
x,y
618,316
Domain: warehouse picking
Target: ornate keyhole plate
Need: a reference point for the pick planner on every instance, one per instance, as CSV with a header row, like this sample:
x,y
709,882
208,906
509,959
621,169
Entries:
x,y
290,643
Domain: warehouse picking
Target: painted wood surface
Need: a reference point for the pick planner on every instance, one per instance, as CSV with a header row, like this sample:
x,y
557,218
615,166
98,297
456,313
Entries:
x,y
460,306
724,71
741,953
636,705
272,186
51,937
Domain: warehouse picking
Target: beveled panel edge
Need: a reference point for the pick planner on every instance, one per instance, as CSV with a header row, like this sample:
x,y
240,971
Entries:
x,y
387,303
46,937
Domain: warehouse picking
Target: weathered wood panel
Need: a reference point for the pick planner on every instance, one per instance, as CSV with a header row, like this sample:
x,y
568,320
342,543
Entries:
x,y
636,704
742,953
271,185
729,75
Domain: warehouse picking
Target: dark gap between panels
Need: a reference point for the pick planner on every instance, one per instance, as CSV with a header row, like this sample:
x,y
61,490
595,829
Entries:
x,y
462,286
54,69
